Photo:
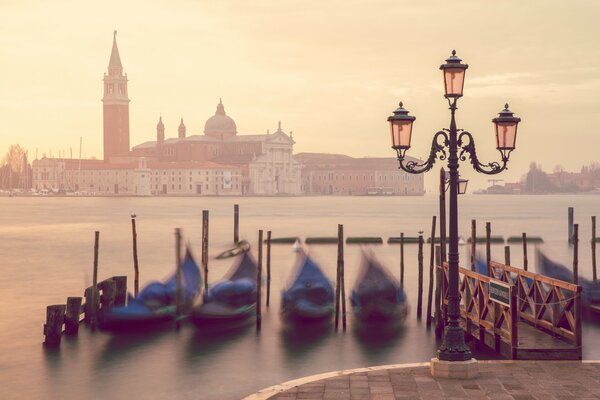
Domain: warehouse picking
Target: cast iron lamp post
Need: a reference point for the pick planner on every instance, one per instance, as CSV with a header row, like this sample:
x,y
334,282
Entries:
x,y
454,145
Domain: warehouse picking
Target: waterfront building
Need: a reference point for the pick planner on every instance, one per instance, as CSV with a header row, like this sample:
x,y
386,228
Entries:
x,y
337,174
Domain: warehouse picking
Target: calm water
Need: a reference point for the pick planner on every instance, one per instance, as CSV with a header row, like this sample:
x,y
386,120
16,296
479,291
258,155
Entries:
x,y
46,250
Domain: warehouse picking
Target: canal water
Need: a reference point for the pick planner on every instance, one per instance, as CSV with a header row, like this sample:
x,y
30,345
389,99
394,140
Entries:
x,y
46,254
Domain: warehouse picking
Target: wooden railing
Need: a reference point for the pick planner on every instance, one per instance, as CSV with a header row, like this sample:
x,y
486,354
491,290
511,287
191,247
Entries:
x,y
550,305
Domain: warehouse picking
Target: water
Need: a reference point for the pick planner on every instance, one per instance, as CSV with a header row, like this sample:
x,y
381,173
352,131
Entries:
x,y
46,250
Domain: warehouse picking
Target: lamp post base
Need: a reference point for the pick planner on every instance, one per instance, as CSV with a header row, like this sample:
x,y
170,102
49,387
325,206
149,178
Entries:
x,y
454,369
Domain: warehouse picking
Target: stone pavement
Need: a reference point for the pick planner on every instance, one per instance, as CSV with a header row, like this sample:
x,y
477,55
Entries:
x,y
519,380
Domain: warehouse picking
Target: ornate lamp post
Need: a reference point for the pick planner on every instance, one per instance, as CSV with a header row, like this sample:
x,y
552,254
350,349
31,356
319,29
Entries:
x,y
454,145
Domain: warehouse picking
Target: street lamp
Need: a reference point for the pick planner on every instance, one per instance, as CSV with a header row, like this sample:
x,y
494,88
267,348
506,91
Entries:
x,y
454,145
462,183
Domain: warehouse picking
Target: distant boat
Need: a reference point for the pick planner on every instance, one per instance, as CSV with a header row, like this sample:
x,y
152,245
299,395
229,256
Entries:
x,y
310,296
156,303
377,295
232,300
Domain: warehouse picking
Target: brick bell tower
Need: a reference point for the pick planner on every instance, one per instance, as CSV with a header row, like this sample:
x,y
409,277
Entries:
x,y
115,107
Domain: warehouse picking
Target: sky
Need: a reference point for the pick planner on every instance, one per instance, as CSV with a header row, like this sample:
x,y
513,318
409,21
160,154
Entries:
x,y
331,71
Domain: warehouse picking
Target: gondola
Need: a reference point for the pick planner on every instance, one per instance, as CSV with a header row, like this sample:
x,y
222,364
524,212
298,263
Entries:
x,y
155,305
232,300
590,294
309,298
377,296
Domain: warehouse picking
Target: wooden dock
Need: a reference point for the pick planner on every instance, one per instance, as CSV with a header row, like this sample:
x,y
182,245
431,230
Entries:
x,y
538,319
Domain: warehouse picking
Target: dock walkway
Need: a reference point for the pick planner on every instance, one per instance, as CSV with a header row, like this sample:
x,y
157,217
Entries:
x,y
547,380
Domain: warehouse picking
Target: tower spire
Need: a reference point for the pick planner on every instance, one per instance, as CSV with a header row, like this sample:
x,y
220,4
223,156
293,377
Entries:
x,y
114,64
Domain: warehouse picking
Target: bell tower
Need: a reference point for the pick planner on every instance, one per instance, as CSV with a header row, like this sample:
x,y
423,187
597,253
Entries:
x,y
115,106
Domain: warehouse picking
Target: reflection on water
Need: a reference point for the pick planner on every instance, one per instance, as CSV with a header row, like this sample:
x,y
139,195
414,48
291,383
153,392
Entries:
x,y
228,364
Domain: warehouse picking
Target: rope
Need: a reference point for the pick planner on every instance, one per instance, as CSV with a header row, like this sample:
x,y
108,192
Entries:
x,y
551,303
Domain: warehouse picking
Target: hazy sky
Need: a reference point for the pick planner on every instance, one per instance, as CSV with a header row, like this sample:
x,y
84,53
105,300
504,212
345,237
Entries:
x,y
332,71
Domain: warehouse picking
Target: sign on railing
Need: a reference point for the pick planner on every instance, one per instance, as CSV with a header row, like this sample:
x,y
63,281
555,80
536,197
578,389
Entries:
x,y
500,292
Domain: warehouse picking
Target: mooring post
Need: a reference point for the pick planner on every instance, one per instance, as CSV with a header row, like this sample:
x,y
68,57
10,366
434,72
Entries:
x,y
420,291
514,322
438,291
402,259
121,290
178,276
94,291
525,262
431,262
107,300
594,248
338,288
341,268
575,254
55,315
236,224
259,281
507,255
473,243
488,250
268,267
443,213
72,315
571,216
136,276
205,247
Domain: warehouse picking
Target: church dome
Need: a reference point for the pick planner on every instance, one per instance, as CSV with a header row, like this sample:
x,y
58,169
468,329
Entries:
x,y
220,125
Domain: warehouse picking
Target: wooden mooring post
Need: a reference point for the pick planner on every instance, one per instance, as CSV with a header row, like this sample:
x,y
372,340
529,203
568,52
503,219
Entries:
x,y
107,300
488,249
443,213
236,224
55,315
402,259
178,276
136,270
576,254
438,314
525,261
120,290
259,281
93,300
473,243
73,310
420,289
338,288
507,255
341,273
570,219
205,247
594,248
431,264
268,267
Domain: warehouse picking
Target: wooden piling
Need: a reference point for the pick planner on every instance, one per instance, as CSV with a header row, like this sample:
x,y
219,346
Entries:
x,y
178,276
107,300
259,281
438,292
420,290
575,254
205,247
525,261
338,288
121,290
136,270
431,263
236,227
570,219
473,243
72,315
488,250
402,259
443,214
506,255
594,248
268,267
93,320
55,315
341,273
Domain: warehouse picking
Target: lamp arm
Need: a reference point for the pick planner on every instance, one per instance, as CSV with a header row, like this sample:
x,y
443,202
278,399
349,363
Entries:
x,y
491,168
412,167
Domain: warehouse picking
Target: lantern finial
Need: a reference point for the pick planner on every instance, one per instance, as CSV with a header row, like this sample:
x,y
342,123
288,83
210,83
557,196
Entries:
x,y
400,104
506,106
453,52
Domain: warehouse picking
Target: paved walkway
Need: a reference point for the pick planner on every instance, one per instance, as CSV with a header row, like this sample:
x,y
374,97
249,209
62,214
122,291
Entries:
x,y
519,380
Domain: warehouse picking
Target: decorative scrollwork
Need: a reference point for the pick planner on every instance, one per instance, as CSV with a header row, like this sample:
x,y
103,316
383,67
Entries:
x,y
491,168
413,167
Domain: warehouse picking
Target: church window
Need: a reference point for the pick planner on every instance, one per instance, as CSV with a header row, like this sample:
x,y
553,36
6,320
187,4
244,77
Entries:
x,y
190,187
180,186
172,186
110,88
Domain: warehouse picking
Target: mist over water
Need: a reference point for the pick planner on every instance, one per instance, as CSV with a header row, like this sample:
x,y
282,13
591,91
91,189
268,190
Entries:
x,y
46,248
